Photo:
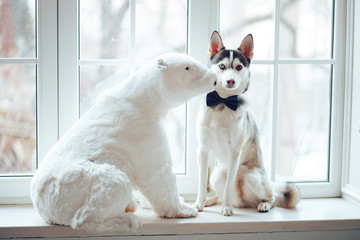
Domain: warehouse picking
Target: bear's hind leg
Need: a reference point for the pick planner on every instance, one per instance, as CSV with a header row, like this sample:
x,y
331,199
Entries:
x,y
110,193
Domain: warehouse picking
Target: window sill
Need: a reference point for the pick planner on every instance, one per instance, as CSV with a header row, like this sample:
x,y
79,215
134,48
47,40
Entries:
x,y
311,215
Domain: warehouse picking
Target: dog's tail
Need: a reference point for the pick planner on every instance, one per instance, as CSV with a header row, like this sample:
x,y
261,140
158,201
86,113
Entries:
x,y
287,195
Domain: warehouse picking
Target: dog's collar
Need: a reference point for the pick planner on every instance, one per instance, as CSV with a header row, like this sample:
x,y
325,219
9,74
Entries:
x,y
213,99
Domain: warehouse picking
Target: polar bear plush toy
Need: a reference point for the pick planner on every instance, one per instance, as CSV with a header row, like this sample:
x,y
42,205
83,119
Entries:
x,y
86,179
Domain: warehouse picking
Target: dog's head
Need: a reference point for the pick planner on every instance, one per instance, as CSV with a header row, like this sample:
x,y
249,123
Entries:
x,y
231,66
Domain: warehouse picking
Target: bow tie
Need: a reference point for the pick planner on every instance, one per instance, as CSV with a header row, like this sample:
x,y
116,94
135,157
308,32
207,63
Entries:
x,y
213,99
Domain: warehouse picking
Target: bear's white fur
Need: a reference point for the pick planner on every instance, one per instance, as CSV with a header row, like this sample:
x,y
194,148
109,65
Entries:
x,y
86,179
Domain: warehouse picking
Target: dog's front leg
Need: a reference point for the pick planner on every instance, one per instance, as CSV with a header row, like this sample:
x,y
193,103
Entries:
x,y
203,163
230,183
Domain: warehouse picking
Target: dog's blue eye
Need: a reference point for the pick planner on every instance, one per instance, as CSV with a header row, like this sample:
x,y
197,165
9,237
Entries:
x,y
222,66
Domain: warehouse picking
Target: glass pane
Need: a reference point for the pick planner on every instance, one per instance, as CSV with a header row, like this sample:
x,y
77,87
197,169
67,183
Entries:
x,y
161,26
303,122
306,29
260,95
104,29
94,80
17,118
239,18
17,31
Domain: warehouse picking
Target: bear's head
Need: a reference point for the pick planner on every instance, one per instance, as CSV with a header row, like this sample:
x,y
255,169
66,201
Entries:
x,y
182,77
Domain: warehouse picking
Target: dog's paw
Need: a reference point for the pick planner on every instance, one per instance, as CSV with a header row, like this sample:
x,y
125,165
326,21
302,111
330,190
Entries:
x,y
135,224
227,211
199,206
211,201
186,211
264,207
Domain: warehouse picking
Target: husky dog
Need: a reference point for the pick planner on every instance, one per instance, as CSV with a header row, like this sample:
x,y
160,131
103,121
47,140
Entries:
x,y
227,130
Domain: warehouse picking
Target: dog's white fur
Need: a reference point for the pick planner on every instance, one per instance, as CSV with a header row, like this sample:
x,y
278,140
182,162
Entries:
x,y
232,137
86,179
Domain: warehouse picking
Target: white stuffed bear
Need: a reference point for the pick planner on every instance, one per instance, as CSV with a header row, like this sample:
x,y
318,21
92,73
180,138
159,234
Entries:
x,y
86,179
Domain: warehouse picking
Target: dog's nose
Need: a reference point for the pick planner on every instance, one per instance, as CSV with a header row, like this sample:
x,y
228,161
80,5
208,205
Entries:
x,y
231,82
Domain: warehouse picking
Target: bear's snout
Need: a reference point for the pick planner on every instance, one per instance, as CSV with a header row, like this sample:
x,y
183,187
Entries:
x,y
210,78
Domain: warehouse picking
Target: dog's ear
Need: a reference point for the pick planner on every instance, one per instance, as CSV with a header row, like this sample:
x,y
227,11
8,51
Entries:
x,y
247,46
216,43
161,64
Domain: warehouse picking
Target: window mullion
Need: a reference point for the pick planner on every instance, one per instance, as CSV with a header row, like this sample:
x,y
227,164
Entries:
x,y
67,57
132,46
201,23
18,60
275,90
338,95
47,86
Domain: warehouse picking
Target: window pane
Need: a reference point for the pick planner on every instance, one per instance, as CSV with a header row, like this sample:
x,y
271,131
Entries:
x,y
303,122
104,29
17,118
239,18
94,80
306,29
260,95
161,26
17,31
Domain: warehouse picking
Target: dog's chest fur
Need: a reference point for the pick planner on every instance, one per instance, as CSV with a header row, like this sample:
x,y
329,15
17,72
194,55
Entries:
x,y
222,117
227,129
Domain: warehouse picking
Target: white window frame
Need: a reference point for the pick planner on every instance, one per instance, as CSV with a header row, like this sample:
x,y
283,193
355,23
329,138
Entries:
x,y
350,189
15,190
331,188
58,90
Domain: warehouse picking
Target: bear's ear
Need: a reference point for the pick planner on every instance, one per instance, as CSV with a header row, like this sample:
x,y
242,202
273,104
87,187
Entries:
x,y
161,64
247,46
216,43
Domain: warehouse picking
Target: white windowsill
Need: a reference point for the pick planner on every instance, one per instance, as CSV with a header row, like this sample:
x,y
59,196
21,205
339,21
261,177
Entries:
x,y
334,214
